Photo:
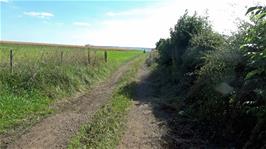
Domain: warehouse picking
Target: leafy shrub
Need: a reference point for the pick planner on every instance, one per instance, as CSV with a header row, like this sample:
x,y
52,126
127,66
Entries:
x,y
211,96
164,47
205,41
222,78
253,91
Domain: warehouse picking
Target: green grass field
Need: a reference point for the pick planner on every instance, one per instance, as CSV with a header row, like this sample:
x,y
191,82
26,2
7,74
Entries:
x,y
41,76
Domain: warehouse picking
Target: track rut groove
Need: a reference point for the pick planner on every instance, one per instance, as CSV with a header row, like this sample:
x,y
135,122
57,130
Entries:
x,y
56,130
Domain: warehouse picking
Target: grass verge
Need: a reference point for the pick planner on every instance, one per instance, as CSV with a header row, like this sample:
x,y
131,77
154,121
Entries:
x,y
25,94
107,125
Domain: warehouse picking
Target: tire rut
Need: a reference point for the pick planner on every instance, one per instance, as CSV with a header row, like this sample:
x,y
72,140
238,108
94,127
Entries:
x,y
56,130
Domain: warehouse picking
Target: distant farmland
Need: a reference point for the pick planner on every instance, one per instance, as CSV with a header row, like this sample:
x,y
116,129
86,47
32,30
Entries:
x,y
16,43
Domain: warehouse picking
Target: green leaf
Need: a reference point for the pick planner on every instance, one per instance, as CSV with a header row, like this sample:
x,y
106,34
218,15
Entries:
x,y
260,16
253,73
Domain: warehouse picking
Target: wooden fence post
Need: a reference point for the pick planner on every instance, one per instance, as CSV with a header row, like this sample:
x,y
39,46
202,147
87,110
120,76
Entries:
x,y
89,57
105,56
61,57
11,60
95,57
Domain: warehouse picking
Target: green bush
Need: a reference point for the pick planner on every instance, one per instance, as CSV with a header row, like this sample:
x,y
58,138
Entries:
x,y
221,78
205,41
164,46
211,95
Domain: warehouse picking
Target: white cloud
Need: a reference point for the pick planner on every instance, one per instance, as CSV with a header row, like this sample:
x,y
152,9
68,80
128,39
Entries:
x,y
82,24
39,14
144,26
3,1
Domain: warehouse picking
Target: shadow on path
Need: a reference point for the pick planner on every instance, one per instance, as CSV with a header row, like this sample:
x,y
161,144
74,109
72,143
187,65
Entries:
x,y
176,131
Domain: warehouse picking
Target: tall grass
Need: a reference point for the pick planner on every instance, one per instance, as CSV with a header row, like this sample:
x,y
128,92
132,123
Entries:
x,y
41,75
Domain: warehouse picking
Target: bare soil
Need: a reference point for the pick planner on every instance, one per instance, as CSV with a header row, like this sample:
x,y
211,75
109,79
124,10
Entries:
x,y
154,122
56,130
144,130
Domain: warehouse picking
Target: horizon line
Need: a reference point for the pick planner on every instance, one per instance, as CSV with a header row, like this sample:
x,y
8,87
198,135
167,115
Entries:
x,y
68,45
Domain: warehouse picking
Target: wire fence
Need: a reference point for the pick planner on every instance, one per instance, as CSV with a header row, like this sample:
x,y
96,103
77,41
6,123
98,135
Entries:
x,y
12,59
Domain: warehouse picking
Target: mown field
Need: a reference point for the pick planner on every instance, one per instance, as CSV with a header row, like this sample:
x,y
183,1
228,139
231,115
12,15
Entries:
x,y
43,74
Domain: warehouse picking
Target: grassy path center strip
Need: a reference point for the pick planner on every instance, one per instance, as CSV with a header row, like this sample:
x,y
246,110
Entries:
x,y
107,125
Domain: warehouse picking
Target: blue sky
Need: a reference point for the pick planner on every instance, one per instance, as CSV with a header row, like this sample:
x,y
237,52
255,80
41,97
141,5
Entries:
x,y
116,23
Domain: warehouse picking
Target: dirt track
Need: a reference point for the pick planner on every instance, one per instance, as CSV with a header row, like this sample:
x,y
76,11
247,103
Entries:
x,y
153,123
144,130
56,130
